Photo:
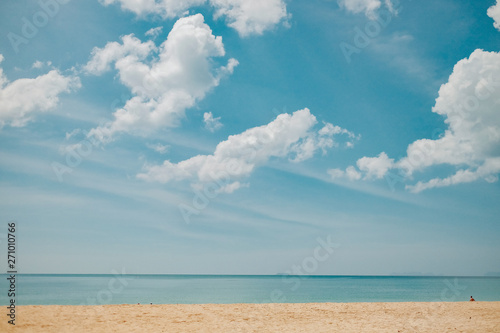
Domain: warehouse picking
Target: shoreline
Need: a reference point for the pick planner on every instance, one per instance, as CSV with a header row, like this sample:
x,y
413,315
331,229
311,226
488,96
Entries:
x,y
253,303
250,317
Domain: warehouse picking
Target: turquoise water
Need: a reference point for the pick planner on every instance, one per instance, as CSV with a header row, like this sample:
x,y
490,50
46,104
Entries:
x,y
191,289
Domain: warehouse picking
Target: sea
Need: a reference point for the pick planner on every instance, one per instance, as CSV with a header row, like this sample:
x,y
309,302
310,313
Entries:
x,y
64,289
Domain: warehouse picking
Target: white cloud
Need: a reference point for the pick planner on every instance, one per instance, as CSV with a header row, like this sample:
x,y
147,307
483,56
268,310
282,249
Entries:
x,y
470,104
21,99
248,17
230,188
329,130
322,140
494,13
336,173
304,149
130,50
158,147
37,64
240,154
73,133
487,171
350,173
3,79
369,7
164,87
212,124
165,8
375,167
154,32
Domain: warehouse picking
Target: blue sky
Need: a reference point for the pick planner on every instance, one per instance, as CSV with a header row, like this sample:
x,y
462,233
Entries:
x,y
235,137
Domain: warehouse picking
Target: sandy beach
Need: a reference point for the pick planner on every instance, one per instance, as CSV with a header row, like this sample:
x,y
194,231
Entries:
x,y
292,317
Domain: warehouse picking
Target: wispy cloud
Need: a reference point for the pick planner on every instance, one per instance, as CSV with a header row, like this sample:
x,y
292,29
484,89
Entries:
x,y
288,135
154,32
159,148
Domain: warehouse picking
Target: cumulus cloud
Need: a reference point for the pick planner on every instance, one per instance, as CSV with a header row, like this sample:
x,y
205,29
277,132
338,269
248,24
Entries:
x,y
164,80
248,17
470,105
212,124
22,98
369,7
375,167
241,154
130,51
165,8
154,32
494,13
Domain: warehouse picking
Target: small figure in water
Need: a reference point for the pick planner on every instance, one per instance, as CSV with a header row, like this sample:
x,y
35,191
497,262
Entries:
x,y
472,299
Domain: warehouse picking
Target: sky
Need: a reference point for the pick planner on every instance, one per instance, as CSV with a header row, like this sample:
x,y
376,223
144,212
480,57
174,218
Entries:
x,y
349,137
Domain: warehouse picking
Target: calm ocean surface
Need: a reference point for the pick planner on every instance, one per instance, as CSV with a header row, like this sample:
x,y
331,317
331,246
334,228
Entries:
x,y
34,289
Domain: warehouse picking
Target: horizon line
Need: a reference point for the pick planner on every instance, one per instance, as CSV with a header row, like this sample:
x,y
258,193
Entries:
x,y
263,275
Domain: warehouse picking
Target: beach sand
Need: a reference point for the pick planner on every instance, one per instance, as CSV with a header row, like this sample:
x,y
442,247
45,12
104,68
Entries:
x,y
308,317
